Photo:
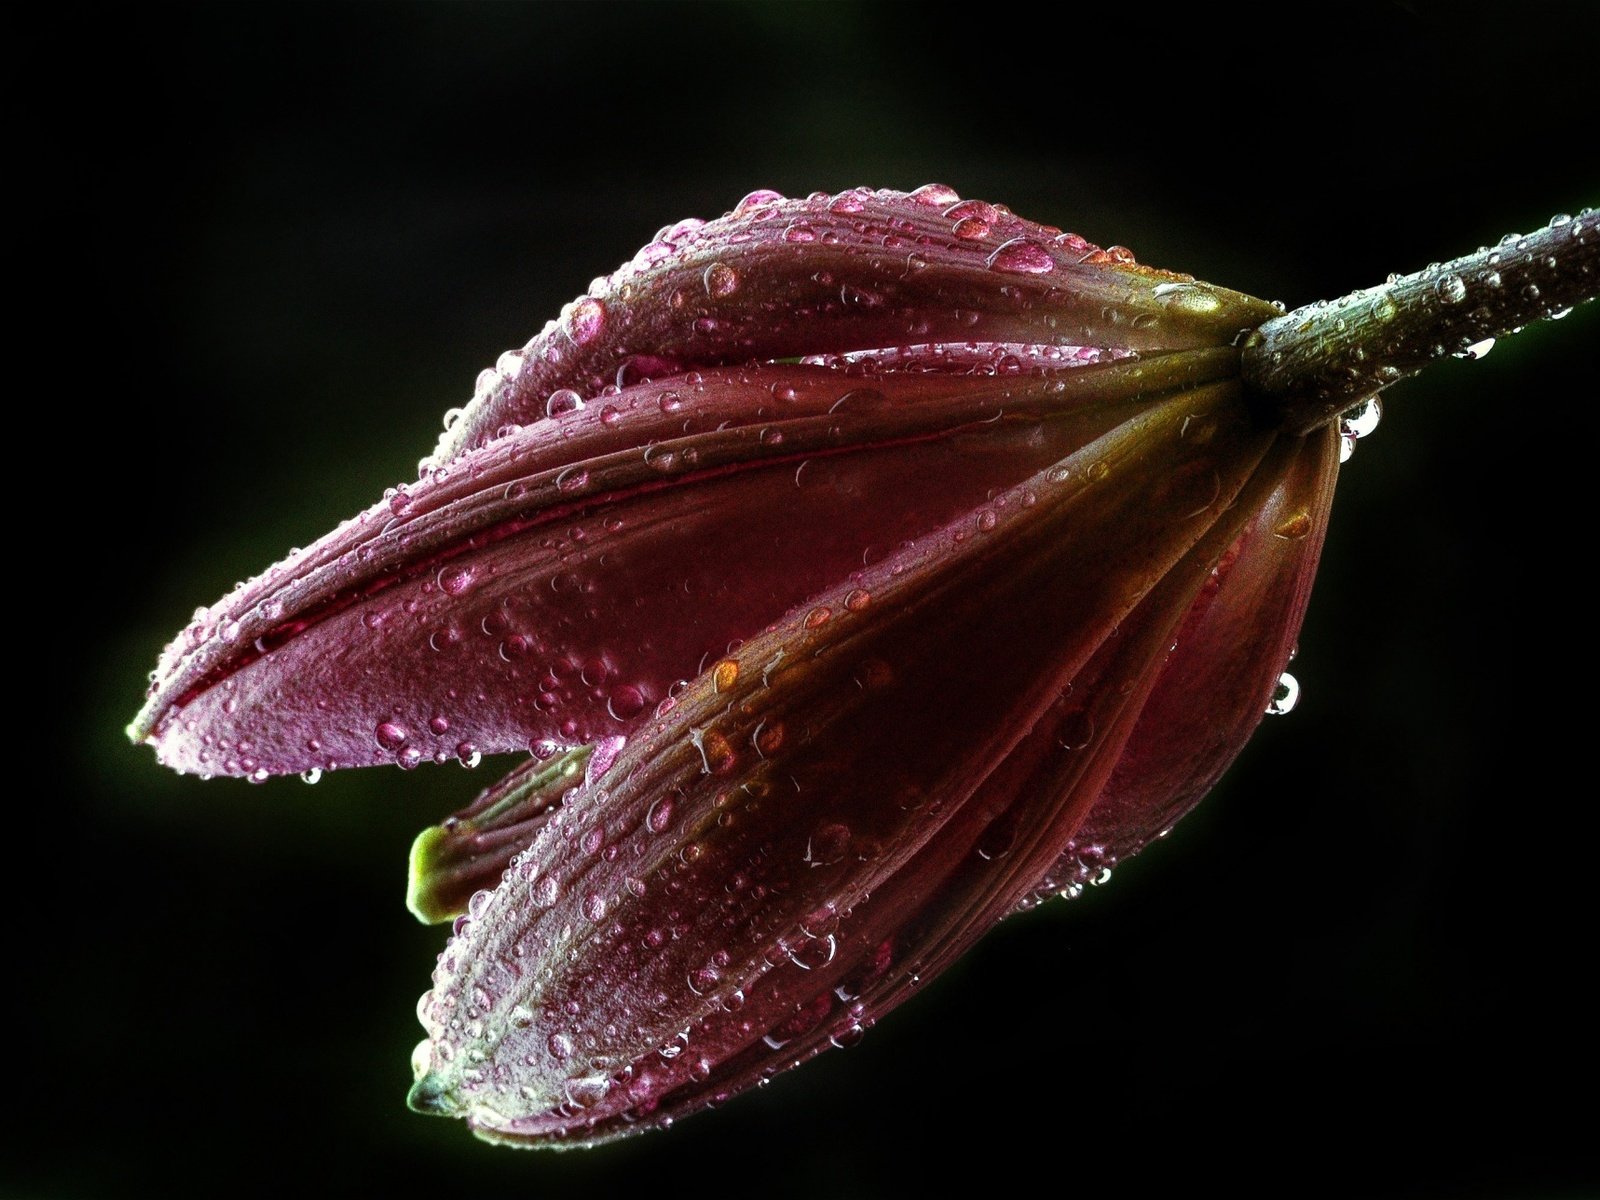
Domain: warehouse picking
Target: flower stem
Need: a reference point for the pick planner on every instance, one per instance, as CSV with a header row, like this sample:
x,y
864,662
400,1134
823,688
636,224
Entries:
x,y
1309,365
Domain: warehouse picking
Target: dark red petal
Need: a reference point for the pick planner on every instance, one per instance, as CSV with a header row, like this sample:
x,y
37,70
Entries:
x,y
907,754
1230,651
859,271
551,588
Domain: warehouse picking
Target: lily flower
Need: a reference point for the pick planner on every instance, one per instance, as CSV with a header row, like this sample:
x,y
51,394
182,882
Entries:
x,y
858,570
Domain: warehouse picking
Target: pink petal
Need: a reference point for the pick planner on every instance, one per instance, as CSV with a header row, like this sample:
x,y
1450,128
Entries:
x,y
859,271
551,588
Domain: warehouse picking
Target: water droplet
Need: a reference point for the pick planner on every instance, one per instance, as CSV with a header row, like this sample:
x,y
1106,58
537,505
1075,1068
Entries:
x,y
814,952
659,818
1293,526
850,1035
828,845
1450,289
509,364
1110,256
311,776
768,738
518,645
935,195
800,232
546,891
585,320
573,479
1382,307
1477,349
626,701
724,675
1022,256
1362,419
588,1091
659,458
1285,696
1075,731
720,280
391,736
683,231
1192,299
455,580
562,402
717,756
973,218
760,198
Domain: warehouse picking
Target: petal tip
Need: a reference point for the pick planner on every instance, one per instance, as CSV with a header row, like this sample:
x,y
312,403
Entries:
x,y
422,893
432,1096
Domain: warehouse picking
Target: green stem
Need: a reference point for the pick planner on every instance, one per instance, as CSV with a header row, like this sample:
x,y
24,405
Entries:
x,y
1311,364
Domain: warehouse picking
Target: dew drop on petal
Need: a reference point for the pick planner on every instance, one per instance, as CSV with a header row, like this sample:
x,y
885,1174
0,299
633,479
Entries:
x,y
391,736
936,195
562,402
815,952
585,320
721,280
1021,256
828,845
659,818
1285,696
625,701
546,891
1293,526
1192,299
760,198
455,580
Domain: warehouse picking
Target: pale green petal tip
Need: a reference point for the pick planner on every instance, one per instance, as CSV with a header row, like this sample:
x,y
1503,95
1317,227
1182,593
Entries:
x,y
432,1096
422,897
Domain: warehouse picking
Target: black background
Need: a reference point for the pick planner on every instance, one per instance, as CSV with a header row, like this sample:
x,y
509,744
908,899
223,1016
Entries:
x,y
272,246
